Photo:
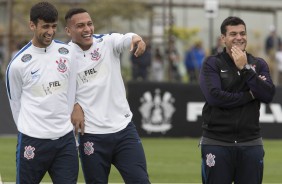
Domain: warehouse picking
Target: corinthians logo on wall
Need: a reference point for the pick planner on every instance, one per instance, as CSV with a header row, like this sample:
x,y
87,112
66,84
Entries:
x,y
156,111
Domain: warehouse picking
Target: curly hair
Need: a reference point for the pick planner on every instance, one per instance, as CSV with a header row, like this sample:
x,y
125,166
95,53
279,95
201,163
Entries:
x,y
43,11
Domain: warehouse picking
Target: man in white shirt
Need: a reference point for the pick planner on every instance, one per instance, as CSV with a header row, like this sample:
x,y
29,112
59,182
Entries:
x,y
107,136
41,83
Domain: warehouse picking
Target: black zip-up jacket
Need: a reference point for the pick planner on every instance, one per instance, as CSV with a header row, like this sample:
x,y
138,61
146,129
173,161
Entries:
x,y
231,112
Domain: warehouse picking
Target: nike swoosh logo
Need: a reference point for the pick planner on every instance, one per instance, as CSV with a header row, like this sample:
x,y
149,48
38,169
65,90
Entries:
x,y
34,72
223,71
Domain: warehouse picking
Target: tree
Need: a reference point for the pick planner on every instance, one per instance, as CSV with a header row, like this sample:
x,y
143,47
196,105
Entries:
x,y
103,13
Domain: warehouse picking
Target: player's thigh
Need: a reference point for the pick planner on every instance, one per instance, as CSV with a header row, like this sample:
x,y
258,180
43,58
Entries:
x,y
33,158
96,155
64,168
250,165
217,164
129,157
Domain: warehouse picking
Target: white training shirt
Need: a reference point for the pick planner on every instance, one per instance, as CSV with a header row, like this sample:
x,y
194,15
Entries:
x,y
41,84
100,88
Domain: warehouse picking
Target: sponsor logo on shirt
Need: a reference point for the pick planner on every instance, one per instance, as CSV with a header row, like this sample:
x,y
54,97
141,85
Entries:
x,y
127,115
100,40
90,71
48,88
26,58
87,75
95,71
35,74
51,85
63,50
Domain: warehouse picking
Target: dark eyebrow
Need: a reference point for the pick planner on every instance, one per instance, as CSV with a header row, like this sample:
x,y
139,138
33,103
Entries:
x,y
237,32
82,23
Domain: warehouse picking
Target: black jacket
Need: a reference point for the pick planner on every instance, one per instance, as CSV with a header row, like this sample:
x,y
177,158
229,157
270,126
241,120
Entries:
x,y
231,113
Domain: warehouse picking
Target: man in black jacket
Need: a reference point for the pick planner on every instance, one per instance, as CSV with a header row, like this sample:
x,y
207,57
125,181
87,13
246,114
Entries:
x,y
234,83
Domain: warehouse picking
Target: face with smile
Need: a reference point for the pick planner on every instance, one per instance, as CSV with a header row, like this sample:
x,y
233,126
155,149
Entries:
x,y
43,33
80,28
235,36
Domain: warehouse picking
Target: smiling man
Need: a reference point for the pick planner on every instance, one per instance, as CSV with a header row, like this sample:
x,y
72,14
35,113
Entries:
x,y
234,83
41,87
108,135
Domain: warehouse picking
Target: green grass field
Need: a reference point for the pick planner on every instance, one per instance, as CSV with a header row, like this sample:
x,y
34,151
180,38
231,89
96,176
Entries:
x,y
169,161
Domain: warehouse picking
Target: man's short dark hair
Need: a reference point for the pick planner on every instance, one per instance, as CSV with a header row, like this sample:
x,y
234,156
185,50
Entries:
x,y
44,11
73,11
231,21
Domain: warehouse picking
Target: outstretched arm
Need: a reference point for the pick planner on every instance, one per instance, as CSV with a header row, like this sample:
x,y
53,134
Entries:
x,y
139,43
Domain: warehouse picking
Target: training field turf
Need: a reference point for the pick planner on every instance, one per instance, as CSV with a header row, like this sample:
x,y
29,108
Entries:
x,y
169,161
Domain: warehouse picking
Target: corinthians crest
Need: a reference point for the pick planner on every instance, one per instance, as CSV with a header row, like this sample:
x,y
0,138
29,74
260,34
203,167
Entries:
x,y
156,111
62,67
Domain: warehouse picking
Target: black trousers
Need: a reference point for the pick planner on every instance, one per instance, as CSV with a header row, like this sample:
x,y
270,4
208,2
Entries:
x,y
227,164
123,149
58,157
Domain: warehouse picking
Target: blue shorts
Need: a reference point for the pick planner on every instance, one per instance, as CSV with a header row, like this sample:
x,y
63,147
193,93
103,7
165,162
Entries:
x,y
225,164
122,149
58,157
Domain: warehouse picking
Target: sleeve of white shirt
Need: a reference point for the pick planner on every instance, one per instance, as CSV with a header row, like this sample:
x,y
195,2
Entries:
x,y
72,81
14,89
122,41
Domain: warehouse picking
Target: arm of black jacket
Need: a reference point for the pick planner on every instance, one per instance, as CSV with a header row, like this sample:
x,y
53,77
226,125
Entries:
x,y
262,90
210,84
